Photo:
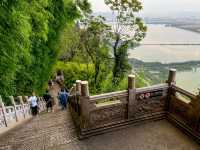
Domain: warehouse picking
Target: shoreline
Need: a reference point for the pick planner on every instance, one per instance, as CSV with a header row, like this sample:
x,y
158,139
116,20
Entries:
x,y
186,64
187,29
178,26
157,72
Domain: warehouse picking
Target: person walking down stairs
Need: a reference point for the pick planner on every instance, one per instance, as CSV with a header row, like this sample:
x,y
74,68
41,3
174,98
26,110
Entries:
x,y
63,97
49,101
34,104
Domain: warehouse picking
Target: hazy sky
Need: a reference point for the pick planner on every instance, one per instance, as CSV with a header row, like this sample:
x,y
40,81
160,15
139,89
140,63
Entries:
x,y
156,6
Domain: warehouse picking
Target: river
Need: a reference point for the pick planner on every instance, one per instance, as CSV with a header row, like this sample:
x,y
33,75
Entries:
x,y
161,34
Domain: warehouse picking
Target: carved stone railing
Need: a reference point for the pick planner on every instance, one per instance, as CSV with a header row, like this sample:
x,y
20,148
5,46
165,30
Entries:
x,y
150,101
101,113
105,109
184,111
10,115
96,114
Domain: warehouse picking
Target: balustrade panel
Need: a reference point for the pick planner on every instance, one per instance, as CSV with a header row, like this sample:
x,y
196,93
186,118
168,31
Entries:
x,y
108,109
184,109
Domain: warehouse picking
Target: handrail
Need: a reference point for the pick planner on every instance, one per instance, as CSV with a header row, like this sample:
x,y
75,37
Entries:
x,y
15,113
108,95
125,92
71,90
9,107
184,92
153,87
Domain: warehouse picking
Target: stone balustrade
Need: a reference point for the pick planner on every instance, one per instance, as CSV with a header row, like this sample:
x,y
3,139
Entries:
x,y
16,113
100,113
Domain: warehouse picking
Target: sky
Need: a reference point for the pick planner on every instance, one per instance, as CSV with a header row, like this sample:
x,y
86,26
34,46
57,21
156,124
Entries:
x,y
156,6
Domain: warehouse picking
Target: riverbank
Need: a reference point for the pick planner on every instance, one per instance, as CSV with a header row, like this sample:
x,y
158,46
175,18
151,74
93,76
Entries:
x,y
157,72
193,28
153,61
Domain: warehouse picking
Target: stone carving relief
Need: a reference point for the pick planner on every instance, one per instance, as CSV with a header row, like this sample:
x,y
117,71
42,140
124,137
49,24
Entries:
x,y
147,95
107,115
149,102
2,122
180,110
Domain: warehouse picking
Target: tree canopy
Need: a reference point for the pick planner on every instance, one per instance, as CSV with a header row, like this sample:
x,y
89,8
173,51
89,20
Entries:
x,y
29,39
40,37
127,30
101,47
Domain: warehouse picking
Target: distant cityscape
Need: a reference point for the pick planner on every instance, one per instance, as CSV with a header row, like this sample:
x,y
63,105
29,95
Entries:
x,y
185,20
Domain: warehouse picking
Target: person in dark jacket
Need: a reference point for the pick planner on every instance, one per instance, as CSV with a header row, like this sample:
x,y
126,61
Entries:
x,y
48,99
63,96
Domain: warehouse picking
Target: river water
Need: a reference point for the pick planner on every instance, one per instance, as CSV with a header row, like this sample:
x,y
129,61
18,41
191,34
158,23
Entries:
x,y
160,34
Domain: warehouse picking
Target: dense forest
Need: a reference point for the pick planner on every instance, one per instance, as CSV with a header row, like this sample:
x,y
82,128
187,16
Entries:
x,y
29,41
95,50
40,37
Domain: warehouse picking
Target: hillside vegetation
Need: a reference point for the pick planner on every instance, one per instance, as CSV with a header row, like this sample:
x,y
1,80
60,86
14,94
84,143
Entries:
x,y
40,37
29,39
96,51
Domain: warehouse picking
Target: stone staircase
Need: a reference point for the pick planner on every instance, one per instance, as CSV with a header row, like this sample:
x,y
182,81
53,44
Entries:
x,y
46,131
55,131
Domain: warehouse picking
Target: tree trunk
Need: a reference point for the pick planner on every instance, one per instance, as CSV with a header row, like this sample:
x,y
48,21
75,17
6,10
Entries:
x,y
97,68
116,59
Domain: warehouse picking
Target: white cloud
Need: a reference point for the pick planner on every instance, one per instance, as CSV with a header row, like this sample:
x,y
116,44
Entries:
x,y
166,6
155,6
99,6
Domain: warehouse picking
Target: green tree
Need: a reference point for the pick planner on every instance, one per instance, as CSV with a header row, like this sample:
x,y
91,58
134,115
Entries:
x,y
15,32
94,43
29,37
88,45
127,30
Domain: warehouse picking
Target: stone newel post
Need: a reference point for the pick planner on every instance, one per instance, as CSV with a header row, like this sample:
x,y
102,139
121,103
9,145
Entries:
x,y
78,87
131,81
171,81
78,94
172,77
3,111
84,88
131,95
22,103
14,105
85,104
26,99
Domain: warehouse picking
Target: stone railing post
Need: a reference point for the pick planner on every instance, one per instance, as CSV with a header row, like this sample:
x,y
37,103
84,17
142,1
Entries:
x,y
171,81
22,104
73,90
27,105
3,111
131,95
26,99
194,113
78,87
15,109
42,104
78,94
74,87
85,89
172,77
84,101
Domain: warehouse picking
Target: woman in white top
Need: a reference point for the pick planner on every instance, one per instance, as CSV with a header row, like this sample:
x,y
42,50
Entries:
x,y
34,105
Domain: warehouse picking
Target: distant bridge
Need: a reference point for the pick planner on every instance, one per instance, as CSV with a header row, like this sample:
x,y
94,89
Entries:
x,y
174,44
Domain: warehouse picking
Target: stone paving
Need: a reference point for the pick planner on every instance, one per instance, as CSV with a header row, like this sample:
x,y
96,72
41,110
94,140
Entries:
x,y
55,131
